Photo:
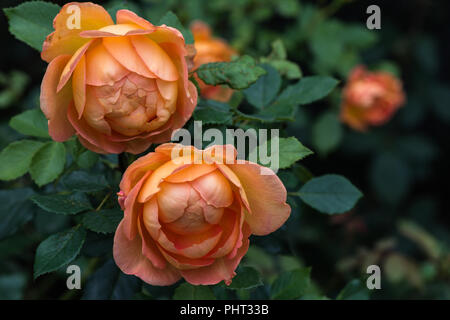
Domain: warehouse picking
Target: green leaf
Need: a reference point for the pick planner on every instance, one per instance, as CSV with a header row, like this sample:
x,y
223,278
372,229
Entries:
x,y
277,59
170,19
103,221
87,159
264,90
13,86
213,112
84,182
18,157
63,204
12,286
31,22
108,282
238,74
330,194
290,150
309,89
354,290
291,285
48,163
187,291
326,133
58,250
31,123
15,210
246,278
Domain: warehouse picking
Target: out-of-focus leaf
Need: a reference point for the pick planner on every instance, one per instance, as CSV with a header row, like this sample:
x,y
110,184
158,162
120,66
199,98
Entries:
x,y
12,286
213,112
326,133
290,150
354,290
15,210
264,90
48,163
108,282
31,123
238,74
84,182
330,194
103,221
15,84
291,285
309,89
63,204
32,21
187,291
58,250
246,278
16,158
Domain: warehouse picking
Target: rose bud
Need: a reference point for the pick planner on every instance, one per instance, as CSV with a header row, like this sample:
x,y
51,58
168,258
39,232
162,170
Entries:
x,y
118,87
189,213
209,50
370,98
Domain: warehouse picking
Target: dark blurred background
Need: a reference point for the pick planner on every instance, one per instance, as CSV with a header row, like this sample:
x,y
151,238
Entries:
x,y
401,224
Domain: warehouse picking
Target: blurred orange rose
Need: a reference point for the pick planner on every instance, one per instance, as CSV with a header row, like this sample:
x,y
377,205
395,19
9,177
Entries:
x,y
210,49
118,87
370,98
189,213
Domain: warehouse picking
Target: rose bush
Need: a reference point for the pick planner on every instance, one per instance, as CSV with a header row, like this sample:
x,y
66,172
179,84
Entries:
x,y
118,87
370,98
189,214
210,49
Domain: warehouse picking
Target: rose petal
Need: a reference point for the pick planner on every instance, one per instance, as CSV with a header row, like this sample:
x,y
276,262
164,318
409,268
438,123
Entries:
x,y
266,195
155,58
54,104
214,189
221,269
129,258
66,41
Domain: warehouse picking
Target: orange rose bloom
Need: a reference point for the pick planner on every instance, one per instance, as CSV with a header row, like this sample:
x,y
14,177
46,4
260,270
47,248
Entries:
x,y
210,49
370,98
118,87
189,213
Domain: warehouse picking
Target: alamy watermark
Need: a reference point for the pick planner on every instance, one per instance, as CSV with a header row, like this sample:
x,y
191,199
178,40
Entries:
x,y
261,146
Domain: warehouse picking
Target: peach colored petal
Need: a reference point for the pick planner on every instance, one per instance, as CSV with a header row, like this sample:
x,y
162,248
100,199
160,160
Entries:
x,y
183,263
70,66
93,137
221,269
151,186
190,173
232,177
122,50
79,86
102,68
155,58
231,230
139,168
266,195
149,248
116,30
214,189
197,245
133,209
94,113
129,17
54,104
66,41
129,258
172,200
